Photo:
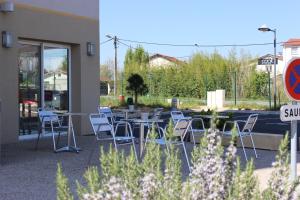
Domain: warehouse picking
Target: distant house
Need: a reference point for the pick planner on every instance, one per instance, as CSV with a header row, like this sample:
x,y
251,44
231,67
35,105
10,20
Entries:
x,y
291,49
159,60
57,81
264,63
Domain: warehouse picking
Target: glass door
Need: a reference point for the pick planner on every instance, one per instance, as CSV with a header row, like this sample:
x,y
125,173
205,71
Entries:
x,y
55,77
43,81
29,87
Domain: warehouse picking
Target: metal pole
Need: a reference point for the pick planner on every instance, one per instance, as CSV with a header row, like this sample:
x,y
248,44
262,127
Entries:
x,y
270,98
294,147
115,71
274,31
235,88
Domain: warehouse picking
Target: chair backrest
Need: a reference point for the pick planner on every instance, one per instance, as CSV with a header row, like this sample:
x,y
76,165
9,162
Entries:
x,y
100,123
176,115
181,127
107,111
250,122
47,116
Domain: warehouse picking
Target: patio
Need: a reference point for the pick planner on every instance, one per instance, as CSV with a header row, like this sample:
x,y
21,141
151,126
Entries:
x,y
29,174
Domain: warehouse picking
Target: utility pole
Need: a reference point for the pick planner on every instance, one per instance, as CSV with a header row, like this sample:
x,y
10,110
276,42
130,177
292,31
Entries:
x,y
116,66
116,61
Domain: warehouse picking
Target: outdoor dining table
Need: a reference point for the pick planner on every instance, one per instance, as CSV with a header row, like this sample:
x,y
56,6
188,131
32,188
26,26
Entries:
x,y
126,111
142,123
69,147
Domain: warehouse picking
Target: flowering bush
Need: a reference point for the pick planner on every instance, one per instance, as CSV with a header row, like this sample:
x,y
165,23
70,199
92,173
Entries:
x,y
216,174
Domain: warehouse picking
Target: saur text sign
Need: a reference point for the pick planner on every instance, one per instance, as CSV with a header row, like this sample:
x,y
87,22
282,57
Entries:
x,y
290,112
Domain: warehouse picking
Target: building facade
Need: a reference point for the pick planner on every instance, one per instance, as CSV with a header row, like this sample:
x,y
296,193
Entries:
x,y
291,49
49,57
159,60
267,64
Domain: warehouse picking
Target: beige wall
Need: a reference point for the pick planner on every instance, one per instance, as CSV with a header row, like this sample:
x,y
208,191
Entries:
x,y
37,24
86,8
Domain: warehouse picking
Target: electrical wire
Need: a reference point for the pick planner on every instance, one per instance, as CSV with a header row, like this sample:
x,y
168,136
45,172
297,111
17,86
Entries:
x,y
149,52
198,45
106,41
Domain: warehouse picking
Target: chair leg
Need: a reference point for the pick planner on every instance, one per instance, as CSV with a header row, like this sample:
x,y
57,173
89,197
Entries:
x,y
58,138
256,156
192,132
243,148
73,134
133,144
53,137
38,139
186,156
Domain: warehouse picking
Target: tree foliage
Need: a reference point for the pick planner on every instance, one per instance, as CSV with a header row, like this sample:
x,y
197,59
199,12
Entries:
x,y
201,73
136,86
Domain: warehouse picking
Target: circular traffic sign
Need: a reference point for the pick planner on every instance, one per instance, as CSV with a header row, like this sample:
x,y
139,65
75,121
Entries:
x,y
292,79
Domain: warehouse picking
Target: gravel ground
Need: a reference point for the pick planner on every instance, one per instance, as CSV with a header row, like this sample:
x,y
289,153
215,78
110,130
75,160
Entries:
x,y
29,174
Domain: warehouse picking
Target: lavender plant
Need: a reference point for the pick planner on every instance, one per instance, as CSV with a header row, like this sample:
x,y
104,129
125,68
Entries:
x,y
216,174
280,186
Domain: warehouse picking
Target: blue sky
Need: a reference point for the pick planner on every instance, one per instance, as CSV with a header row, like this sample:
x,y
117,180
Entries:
x,y
194,21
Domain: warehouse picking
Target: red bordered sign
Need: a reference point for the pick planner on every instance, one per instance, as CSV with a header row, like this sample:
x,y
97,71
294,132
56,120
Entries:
x,y
291,80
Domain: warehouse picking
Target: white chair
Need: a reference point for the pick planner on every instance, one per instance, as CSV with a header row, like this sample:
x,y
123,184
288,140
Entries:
x,y
244,129
49,118
177,138
197,127
104,130
110,115
176,115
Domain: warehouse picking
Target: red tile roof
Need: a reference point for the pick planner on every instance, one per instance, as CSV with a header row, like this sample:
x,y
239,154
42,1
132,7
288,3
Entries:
x,y
169,58
292,42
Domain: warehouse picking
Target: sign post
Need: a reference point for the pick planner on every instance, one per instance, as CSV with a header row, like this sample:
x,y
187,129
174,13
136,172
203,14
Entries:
x,y
294,147
291,113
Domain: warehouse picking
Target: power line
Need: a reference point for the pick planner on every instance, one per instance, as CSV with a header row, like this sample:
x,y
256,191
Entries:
x,y
129,46
133,47
199,45
160,44
106,41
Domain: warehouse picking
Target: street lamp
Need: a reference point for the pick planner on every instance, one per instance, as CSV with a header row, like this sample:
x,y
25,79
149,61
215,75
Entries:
x,y
115,70
265,28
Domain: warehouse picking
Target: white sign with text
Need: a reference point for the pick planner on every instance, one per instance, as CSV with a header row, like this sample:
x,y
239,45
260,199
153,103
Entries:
x,y
290,113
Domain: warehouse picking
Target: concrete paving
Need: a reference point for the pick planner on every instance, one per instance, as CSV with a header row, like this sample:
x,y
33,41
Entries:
x,y
29,174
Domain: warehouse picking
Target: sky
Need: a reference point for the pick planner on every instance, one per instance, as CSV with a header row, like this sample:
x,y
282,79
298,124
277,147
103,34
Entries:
x,y
207,22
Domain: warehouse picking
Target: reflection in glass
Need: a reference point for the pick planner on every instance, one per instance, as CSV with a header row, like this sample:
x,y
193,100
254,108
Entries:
x,y
56,78
29,87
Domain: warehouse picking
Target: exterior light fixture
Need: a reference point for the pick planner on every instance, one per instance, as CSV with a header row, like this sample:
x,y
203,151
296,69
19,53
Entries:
x,y
7,7
91,48
7,39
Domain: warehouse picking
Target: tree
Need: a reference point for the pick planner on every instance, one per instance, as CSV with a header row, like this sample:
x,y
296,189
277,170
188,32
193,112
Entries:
x,y
107,70
136,60
136,86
